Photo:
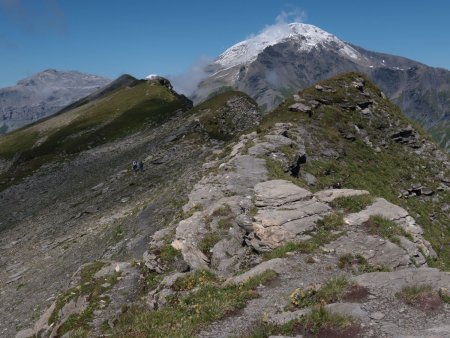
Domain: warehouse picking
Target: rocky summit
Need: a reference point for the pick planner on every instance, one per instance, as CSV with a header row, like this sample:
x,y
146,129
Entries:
x,y
43,94
327,217
274,64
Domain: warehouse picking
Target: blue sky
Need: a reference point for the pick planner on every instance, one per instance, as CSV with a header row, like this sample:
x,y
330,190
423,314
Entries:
x,y
139,37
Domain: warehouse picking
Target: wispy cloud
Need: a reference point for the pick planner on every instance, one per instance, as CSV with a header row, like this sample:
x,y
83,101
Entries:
x,y
291,15
187,82
35,17
281,25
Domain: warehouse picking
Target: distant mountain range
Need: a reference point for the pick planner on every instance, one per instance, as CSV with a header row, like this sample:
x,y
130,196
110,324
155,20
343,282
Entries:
x,y
269,67
275,64
42,95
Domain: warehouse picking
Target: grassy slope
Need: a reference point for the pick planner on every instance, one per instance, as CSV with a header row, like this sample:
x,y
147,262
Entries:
x,y
125,111
360,167
441,133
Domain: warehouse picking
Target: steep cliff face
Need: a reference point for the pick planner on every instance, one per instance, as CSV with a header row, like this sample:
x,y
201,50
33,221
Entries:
x,y
42,95
274,67
298,223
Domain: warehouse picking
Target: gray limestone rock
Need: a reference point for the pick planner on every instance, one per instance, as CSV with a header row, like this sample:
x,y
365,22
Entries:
x,y
300,107
375,250
397,280
380,207
279,192
277,264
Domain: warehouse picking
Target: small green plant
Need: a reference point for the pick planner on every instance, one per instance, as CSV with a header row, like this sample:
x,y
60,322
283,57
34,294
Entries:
x,y
332,291
20,286
283,250
411,294
224,210
169,254
319,238
422,297
208,219
310,260
445,295
352,203
225,224
335,325
198,278
118,233
208,241
333,221
304,297
378,225
359,264
193,210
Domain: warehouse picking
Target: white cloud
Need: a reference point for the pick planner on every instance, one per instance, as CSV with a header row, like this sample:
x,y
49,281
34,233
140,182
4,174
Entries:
x,y
281,26
187,82
293,15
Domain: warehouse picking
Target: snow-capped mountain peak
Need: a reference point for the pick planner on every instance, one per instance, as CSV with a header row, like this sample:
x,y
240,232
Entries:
x,y
309,37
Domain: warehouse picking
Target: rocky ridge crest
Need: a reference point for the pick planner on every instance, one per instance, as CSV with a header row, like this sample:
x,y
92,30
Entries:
x,y
274,203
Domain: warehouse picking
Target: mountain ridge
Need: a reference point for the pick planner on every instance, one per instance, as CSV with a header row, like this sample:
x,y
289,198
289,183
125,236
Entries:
x,y
289,63
180,247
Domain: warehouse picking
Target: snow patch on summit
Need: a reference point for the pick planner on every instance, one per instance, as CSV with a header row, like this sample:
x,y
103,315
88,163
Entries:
x,y
309,37
151,76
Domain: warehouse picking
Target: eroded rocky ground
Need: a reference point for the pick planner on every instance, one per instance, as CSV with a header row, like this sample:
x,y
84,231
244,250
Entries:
x,y
261,215
89,208
256,209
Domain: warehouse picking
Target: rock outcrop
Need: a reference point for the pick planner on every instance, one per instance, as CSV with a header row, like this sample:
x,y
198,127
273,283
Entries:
x,y
253,224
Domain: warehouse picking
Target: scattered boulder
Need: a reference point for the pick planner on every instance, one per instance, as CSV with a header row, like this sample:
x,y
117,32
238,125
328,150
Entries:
x,y
294,168
359,84
407,136
325,89
191,255
300,108
309,178
365,105
152,262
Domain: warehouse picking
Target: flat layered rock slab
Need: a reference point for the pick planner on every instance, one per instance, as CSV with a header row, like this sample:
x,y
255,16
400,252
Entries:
x,y
279,192
380,207
277,265
396,280
374,249
288,213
